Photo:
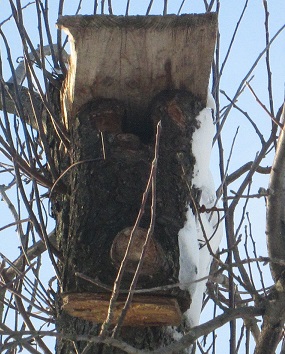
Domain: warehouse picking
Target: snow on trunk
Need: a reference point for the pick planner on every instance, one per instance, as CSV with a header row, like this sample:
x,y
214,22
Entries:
x,y
195,257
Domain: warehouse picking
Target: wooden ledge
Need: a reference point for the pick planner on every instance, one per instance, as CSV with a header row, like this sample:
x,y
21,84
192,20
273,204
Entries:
x,y
133,58
145,310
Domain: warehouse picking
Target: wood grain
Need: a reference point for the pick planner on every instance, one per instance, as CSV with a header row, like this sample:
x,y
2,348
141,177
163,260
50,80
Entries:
x,y
134,58
144,310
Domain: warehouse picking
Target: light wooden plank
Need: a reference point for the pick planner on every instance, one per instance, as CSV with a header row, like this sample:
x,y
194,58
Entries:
x,y
145,310
134,58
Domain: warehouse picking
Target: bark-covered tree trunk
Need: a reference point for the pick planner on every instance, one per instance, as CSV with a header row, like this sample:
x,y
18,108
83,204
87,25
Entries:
x,y
108,175
274,318
113,98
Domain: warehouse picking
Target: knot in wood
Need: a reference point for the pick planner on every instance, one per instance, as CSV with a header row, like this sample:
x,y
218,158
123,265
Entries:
x,y
105,115
154,258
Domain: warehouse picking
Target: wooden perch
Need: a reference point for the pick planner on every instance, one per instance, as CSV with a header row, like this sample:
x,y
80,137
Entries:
x,y
144,311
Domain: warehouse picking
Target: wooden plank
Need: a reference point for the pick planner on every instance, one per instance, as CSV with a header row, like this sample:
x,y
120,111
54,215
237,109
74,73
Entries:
x,y
145,310
134,58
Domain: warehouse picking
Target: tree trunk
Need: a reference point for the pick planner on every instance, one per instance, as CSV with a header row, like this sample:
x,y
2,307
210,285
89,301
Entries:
x,y
104,198
113,98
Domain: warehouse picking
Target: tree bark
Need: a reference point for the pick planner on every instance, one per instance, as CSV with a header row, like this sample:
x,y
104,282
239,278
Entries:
x,y
273,325
275,221
274,318
113,98
104,198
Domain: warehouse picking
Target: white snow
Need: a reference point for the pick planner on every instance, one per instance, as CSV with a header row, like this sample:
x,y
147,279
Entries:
x,y
189,253
195,258
211,102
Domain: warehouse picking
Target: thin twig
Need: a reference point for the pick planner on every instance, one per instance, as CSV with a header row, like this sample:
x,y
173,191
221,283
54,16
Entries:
x,y
267,58
190,337
148,236
117,283
264,107
67,170
247,116
245,168
233,38
255,254
245,79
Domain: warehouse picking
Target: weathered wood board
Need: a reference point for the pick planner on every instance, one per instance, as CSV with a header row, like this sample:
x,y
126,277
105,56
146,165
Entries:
x,y
144,310
134,58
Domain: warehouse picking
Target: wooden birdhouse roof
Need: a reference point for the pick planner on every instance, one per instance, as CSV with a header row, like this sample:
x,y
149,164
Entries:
x,y
134,58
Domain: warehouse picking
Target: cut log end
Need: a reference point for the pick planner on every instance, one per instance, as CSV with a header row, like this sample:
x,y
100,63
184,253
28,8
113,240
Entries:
x,y
145,310
154,260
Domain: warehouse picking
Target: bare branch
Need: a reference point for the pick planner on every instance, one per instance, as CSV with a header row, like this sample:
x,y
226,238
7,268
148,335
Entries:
x,y
34,251
264,107
117,282
246,167
209,327
15,335
175,347
275,224
273,326
245,79
150,231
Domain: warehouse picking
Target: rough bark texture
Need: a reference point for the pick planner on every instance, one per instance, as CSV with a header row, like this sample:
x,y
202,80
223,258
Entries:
x,y
125,75
275,218
105,196
274,318
273,325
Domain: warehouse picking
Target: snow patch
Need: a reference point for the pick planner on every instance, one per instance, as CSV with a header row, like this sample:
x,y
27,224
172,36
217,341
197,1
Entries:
x,y
175,333
201,148
189,253
195,257
210,101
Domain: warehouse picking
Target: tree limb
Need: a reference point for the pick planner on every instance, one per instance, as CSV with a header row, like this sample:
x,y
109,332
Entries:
x,y
12,334
24,98
272,328
33,252
246,167
208,327
184,342
275,231
275,223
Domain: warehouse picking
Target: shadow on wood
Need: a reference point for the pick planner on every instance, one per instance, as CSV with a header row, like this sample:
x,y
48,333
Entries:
x,y
134,58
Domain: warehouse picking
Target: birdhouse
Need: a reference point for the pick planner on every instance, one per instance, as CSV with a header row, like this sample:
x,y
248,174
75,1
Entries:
x,y
125,75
